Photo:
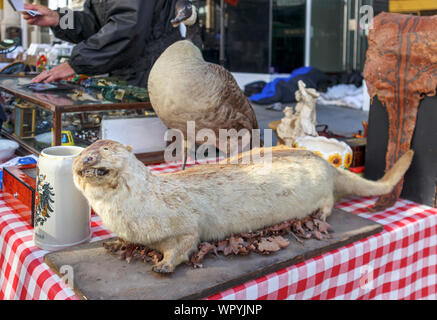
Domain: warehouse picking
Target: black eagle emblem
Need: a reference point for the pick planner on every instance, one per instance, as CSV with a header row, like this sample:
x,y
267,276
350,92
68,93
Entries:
x,y
44,201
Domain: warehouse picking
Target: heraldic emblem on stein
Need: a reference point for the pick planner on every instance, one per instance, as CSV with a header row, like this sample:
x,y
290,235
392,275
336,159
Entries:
x,y
44,201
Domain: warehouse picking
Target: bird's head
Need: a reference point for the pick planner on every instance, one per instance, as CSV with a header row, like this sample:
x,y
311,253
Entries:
x,y
186,13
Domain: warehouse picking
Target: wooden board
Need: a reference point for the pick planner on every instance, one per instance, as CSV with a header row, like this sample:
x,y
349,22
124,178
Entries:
x,y
99,275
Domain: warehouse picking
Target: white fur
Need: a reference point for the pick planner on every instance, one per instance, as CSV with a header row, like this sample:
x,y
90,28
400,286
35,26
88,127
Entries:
x,y
173,212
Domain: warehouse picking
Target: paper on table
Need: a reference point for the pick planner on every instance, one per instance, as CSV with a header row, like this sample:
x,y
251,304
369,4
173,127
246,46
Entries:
x,y
18,5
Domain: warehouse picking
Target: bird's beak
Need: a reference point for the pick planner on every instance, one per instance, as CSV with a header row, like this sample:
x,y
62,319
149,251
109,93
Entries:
x,y
183,14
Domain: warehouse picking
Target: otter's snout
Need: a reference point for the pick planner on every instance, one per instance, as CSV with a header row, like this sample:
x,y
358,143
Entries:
x,y
89,161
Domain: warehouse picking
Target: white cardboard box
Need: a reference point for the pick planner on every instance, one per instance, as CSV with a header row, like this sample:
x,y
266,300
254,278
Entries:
x,y
142,134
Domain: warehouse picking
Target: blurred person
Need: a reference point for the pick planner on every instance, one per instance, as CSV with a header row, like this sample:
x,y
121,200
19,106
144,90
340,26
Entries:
x,y
120,37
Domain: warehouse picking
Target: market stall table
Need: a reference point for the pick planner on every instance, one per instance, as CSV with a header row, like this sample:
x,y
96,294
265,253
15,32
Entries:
x,y
67,116
399,263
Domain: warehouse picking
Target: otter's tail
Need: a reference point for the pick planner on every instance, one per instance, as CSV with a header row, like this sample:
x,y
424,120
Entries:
x,y
348,183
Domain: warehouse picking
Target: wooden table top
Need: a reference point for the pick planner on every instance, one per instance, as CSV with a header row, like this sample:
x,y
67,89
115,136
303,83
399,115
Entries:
x,y
64,101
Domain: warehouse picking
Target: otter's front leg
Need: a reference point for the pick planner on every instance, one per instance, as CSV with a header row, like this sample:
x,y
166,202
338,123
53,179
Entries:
x,y
327,208
175,250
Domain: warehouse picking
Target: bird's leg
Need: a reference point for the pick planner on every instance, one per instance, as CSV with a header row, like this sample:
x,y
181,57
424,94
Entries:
x,y
185,161
185,150
188,148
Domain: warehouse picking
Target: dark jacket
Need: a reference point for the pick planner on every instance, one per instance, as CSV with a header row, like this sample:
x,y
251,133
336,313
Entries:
x,y
120,37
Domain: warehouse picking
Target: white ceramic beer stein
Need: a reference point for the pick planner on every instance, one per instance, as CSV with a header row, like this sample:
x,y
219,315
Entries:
x,y
62,214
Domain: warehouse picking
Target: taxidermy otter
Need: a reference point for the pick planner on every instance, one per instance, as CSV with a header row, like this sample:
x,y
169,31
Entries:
x,y
173,212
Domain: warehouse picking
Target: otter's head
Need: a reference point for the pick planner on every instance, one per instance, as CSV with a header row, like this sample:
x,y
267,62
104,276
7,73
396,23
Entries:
x,y
102,163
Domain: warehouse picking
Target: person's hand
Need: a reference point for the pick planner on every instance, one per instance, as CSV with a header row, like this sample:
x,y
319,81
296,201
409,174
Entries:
x,y
61,72
48,18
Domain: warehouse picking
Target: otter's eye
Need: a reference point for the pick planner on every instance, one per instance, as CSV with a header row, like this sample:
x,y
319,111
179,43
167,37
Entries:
x,y
106,149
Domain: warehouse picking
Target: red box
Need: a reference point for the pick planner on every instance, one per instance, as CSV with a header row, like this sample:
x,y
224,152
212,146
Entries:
x,y
19,185
357,170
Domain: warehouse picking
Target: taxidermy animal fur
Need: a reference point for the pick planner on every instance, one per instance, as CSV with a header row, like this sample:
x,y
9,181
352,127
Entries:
x,y
174,212
184,87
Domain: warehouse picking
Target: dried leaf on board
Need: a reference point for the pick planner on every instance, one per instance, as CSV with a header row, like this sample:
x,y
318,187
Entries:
x,y
265,241
272,244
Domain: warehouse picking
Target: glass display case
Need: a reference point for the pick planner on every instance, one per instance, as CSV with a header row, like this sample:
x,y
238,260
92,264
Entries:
x,y
73,116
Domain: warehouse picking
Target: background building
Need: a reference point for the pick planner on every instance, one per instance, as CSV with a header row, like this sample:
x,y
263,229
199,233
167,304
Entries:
x,y
30,34
418,7
8,18
265,36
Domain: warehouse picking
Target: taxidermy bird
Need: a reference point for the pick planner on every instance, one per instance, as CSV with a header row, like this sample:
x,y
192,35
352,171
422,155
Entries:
x,y
186,13
184,87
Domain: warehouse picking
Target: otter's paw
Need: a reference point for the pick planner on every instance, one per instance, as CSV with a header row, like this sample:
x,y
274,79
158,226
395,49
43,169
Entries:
x,y
163,267
325,216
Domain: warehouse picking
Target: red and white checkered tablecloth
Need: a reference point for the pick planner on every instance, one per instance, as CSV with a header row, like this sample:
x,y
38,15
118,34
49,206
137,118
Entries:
x,y
399,263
